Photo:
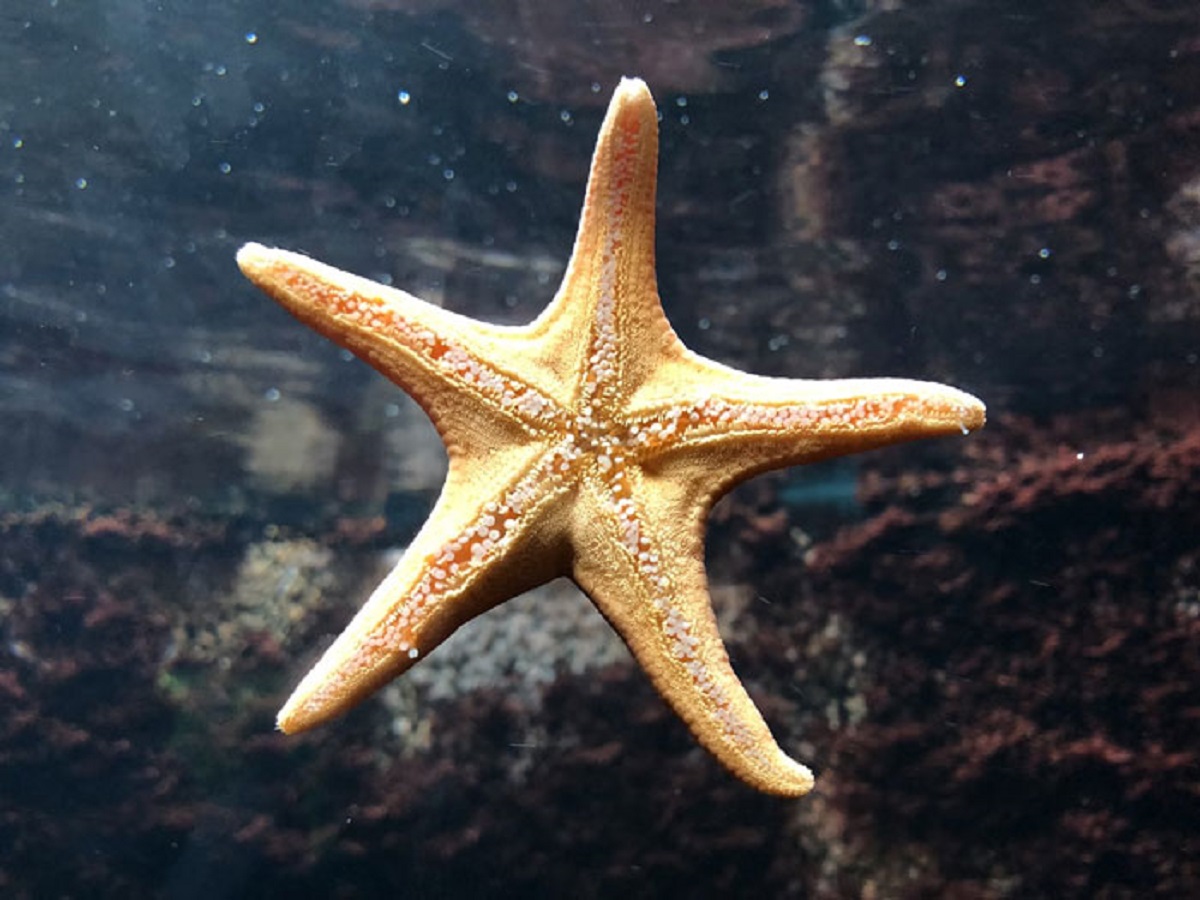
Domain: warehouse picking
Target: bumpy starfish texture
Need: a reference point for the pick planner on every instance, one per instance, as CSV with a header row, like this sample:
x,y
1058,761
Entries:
x,y
589,444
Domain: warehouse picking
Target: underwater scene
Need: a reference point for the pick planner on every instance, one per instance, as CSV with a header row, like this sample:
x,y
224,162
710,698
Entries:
x,y
642,449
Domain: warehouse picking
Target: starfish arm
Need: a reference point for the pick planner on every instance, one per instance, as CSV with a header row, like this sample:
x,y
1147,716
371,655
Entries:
x,y
643,568
438,357
466,559
742,425
610,285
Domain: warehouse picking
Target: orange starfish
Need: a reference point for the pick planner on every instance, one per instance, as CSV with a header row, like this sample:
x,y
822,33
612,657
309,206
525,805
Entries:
x,y
589,444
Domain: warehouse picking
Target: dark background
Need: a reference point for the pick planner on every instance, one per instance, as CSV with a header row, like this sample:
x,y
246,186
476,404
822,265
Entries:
x,y
988,649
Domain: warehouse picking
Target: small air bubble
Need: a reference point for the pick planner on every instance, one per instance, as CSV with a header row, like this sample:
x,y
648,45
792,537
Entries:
x,y
251,37
271,395
960,81
81,183
862,40
403,97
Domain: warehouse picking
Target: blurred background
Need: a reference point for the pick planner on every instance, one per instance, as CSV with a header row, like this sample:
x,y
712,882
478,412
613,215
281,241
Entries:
x,y
988,649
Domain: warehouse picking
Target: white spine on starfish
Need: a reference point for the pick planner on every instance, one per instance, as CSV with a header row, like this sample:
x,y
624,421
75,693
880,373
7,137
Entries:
x,y
722,418
602,372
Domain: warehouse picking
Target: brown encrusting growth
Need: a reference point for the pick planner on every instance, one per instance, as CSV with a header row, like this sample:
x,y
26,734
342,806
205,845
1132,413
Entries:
x,y
1034,657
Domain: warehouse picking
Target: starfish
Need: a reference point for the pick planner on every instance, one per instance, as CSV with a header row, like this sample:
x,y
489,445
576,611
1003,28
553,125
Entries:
x,y
589,444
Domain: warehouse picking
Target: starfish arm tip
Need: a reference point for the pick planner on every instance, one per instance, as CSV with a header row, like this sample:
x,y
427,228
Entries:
x,y
770,770
287,722
254,258
797,779
972,414
315,701
941,409
631,84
